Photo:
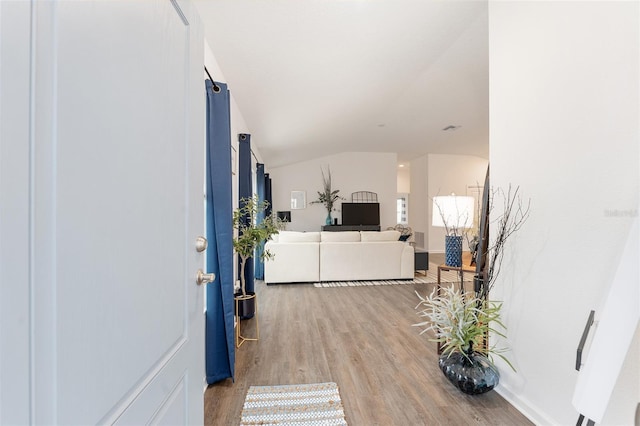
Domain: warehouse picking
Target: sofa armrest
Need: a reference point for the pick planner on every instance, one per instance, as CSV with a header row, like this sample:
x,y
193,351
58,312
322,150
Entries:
x,y
407,262
292,262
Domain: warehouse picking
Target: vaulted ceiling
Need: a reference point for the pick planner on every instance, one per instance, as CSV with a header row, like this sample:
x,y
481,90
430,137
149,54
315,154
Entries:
x,y
318,77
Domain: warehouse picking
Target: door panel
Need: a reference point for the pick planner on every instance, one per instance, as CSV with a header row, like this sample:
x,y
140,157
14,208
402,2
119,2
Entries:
x,y
14,212
118,175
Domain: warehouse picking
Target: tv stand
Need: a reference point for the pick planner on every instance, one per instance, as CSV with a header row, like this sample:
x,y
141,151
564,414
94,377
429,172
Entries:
x,y
338,228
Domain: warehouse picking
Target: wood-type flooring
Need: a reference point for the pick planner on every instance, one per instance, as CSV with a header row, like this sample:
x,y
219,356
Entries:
x,y
361,338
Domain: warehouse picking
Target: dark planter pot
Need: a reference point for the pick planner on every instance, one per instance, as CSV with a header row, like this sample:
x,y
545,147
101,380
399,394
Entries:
x,y
246,308
472,376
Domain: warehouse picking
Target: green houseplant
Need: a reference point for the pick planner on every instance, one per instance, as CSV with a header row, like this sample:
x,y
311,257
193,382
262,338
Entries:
x,y
461,323
328,196
251,232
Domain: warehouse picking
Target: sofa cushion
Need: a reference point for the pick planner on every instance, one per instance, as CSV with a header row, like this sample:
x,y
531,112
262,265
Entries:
x,y
379,260
380,236
298,237
340,237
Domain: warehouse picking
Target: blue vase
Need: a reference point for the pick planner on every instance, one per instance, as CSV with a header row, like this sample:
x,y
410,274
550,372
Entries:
x,y
328,221
472,374
453,250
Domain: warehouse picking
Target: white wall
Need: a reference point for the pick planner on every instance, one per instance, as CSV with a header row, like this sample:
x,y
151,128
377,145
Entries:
x,y
350,172
419,199
439,174
450,174
404,180
564,126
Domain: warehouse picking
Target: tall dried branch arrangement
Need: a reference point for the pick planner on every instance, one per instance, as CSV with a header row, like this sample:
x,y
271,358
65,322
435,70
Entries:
x,y
515,213
328,196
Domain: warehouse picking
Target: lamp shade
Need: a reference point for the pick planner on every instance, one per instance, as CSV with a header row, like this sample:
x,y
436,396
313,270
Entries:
x,y
453,211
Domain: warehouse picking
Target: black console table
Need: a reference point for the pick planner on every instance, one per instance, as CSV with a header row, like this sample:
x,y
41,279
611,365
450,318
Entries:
x,y
338,228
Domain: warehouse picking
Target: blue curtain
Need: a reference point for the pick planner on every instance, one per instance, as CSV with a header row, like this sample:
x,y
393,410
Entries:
x,y
219,332
260,190
267,193
245,190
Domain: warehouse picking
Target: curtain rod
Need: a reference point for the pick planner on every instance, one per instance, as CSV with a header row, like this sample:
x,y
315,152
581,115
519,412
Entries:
x,y
216,88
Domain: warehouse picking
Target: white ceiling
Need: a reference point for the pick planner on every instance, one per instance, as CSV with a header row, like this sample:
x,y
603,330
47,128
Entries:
x,y
318,77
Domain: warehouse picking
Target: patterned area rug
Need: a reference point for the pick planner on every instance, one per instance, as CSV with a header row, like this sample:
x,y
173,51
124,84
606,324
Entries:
x,y
305,405
430,278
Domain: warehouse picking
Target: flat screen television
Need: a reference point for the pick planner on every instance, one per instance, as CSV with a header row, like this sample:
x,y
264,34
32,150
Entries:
x,y
360,213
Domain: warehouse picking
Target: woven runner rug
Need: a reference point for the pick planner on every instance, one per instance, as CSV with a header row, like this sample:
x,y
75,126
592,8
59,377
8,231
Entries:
x,y
304,405
430,278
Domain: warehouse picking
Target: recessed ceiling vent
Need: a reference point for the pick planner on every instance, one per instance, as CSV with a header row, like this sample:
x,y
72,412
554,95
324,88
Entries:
x,y
451,128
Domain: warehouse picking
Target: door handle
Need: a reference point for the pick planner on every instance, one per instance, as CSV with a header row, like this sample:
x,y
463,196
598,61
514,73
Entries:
x,y
583,340
202,278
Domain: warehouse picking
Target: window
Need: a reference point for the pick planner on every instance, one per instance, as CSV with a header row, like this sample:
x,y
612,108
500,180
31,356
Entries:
x,y
401,209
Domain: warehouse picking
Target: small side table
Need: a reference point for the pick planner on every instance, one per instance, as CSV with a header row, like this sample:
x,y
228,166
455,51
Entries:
x,y
240,339
465,267
421,260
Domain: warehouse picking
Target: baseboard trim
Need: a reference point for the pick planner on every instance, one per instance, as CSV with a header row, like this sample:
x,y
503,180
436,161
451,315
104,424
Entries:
x,y
525,407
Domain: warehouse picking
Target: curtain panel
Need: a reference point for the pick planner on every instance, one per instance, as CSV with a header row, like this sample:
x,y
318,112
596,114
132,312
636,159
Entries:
x,y
260,191
219,331
267,193
245,191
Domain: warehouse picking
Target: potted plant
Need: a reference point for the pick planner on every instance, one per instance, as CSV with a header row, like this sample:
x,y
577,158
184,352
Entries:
x,y
462,321
328,196
250,234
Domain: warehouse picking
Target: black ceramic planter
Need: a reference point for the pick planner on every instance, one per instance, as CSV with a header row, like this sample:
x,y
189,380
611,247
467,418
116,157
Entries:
x,y
246,307
473,375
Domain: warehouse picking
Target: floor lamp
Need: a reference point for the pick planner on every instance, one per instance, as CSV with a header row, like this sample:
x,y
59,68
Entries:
x,y
455,214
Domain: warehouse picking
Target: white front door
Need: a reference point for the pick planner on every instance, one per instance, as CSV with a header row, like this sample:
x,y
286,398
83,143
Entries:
x,y
101,183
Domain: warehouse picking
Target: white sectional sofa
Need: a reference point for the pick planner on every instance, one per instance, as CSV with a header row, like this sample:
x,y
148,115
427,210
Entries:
x,y
296,257
338,256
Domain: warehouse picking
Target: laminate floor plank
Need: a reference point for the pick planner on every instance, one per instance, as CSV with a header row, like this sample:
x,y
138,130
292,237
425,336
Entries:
x,y
361,338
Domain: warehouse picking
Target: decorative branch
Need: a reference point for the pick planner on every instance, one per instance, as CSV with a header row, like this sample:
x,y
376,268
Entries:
x,y
449,229
513,217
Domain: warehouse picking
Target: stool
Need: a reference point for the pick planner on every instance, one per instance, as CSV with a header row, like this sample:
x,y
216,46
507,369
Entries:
x,y
240,339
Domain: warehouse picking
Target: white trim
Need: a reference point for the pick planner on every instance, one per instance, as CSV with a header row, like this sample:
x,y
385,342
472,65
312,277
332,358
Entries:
x,y
525,407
